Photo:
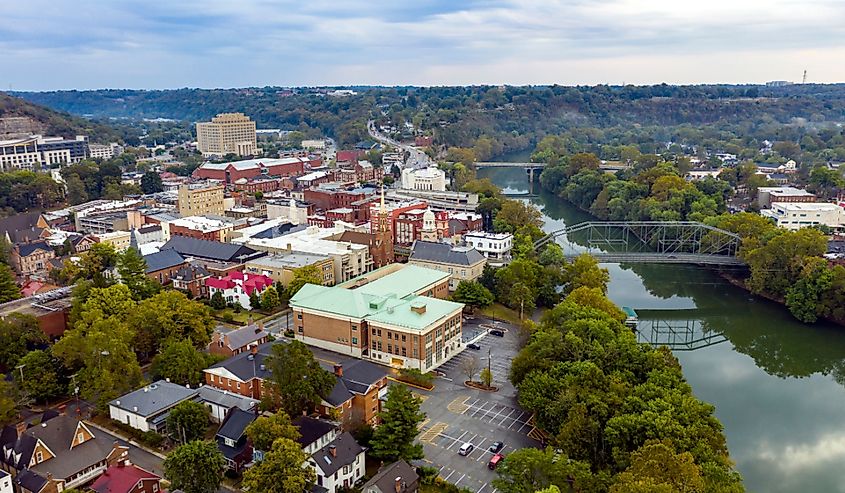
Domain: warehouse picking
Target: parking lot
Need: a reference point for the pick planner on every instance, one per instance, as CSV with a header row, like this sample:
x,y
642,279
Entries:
x,y
457,414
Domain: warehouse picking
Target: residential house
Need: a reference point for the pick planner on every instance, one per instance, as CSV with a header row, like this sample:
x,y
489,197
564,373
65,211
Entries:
x,y
219,402
237,341
125,477
315,433
191,277
82,243
398,477
31,258
232,440
59,453
339,464
20,222
462,263
237,287
147,408
163,265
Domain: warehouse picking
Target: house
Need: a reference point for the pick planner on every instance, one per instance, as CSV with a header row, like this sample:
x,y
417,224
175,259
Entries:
x,y
31,258
219,402
163,265
237,287
398,477
339,464
191,277
59,453
82,243
5,482
232,440
314,433
462,263
125,477
147,408
20,222
237,341
496,247
354,400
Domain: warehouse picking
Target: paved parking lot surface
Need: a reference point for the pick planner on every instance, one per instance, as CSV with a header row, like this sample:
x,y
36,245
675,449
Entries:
x,y
457,414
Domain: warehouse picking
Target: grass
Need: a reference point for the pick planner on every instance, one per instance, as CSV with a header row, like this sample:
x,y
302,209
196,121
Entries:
x,y
237,318
499,311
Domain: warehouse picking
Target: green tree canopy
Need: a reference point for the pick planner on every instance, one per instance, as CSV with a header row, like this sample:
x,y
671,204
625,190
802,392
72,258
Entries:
x,y
267,429
195,467
181,362
472,293
281,470
41,379
655,467
297,379
187,421
169,315
18,334
309,274
133,272
8,288
394,438
151,182
269,298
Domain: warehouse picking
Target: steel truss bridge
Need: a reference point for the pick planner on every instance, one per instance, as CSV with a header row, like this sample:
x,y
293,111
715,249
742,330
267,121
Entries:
x,y
681,242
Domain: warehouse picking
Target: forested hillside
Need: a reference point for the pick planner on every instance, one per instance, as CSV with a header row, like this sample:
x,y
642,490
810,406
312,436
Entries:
x,y
54,123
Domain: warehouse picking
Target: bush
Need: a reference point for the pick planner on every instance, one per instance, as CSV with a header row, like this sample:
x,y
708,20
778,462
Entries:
x,y
289,333
151,439
228,317
427,474
416,377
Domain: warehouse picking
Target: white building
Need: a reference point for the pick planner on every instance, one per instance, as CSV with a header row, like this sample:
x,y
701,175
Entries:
x,y
797,215
767,195
5,482
292,211
339,464
318,144
147,408
430,178
104,151
495,246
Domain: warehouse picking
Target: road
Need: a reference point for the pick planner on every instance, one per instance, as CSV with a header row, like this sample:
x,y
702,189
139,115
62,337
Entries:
x,y
417,158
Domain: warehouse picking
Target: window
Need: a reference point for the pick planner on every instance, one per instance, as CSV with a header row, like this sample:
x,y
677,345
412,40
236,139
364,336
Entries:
x,y
379,332
299,316
389,348
389,335
374,331
354,340
80,437
39,457
155,487
354,327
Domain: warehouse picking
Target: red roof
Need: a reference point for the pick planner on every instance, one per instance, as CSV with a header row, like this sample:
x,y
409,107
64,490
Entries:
x,y
250,282
121,479
346,156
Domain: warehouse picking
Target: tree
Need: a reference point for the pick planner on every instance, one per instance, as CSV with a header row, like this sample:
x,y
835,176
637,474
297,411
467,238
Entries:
x,y
514,215
281,470
297,379
169,315
76,193
187,421
804,298
18,334
181,362
486,377
219,303
195,467
523,297
472,293
8,407
133,272
585,271
267,429
394,438
309,274
41,379
657,467
470,367
8,288
151,182
269,299
96,263
528,470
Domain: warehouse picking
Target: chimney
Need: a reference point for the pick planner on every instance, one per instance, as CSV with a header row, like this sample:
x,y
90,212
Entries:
x,y
338,369
254,350
63,410
398,484
21,428
260,327
333,450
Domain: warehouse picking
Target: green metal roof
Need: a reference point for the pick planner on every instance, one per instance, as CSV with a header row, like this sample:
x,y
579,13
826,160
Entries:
x,y
629,312
404,282
345,302
400,313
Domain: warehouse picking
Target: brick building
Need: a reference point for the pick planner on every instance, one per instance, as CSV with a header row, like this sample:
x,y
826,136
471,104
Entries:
x,y
230,343
255,168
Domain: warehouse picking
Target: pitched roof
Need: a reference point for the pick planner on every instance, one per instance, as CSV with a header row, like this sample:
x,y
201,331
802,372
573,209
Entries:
x,y
121,478
58,433
249,282
246,366
24,220
312,429
164,259
154,398
248,334
30,248
385,479
359,375
214,250
191,272
346,450
30,480
235,423
226,399
429,251
26,235
339,394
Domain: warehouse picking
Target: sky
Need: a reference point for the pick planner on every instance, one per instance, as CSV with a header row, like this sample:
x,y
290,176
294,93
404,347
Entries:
x,y
159,44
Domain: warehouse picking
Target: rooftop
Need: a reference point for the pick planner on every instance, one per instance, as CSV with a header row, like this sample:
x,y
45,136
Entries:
x,y
153,398
429,251
293,260
121,478
807,206
201,223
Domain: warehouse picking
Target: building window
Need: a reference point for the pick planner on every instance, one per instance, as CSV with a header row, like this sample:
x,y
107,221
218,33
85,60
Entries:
x,y
299,316
39,457
80,437
354,327
389,335
355,340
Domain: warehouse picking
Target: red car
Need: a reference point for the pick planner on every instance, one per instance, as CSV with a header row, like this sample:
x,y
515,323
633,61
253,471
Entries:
x,y
495,460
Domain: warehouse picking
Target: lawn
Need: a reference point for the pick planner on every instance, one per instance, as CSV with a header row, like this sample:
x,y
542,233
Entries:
x,y
236,318
498,311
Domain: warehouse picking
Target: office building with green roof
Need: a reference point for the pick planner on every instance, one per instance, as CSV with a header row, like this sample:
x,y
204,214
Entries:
x,y
396,316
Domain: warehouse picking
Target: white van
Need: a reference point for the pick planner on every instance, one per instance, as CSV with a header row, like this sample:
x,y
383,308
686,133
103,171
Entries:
x,y
466,449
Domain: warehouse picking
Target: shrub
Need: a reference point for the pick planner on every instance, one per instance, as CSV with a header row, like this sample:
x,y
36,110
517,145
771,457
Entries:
x,y
427,474
228,317
416,377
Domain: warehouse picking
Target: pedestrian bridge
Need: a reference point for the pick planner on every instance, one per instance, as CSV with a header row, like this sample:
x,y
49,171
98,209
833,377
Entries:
x,y
665,242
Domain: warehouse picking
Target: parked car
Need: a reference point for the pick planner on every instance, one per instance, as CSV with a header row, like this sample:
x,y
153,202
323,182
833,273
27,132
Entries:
x,y
466,449
473,345
496,447
497,333
495,460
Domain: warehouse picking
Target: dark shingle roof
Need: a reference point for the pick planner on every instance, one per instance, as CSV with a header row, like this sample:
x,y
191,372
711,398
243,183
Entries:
x,y
311,429
30,480
24,220
239,338
346,450
213,250
30,248
359,375
429,251
164,259
235,423
191,272
57,433
385,479
339,394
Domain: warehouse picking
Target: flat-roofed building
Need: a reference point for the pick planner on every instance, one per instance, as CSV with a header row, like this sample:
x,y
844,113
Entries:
x,y
430,178
281,266
767,195
399,319
227,133
496,247
797,215
35,152
201,200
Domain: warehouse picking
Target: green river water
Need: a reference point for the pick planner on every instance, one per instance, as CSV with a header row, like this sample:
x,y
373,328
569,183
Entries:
x,y
778,385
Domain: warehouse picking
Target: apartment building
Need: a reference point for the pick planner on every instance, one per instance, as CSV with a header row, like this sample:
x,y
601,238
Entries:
x,y
395,316
36,151
227,133
767,195
281,267
200,200
496,247
797,215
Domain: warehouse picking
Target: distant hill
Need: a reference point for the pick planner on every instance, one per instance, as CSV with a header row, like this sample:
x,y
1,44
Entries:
x,y
20,117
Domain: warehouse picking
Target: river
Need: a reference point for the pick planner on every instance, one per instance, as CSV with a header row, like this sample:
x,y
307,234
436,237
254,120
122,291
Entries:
x,y
777,385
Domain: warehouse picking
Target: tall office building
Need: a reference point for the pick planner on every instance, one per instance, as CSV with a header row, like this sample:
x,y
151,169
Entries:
x,y
227,133
200,200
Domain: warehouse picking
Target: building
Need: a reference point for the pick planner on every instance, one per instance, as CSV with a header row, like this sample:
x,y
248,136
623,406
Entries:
x,y
250,169
313,179
398,477
314,433
293,211
496,247
314,144
57,454
31,258
36,152
281,267
219,402
163,265
104,151
5,482
125,477
227,133
354,400
212,250
147,408
200,200
395,316
339,464
462,263
237,287
767,195
202,228
120,240
232,441
423,140
430,178
237,341
797,215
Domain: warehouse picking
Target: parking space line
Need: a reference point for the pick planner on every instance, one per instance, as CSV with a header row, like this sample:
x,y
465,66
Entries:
x,y
458,481
500,411
456,440
508,416
449,476
482,487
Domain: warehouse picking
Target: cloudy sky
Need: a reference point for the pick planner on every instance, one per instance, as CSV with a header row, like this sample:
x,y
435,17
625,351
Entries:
x,y
83,44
